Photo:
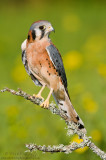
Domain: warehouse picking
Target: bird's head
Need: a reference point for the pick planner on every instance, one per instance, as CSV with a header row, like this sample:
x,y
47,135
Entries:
x,y
39,30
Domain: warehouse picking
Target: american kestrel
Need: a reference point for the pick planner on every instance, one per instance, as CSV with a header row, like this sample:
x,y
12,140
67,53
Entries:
x,y
44,65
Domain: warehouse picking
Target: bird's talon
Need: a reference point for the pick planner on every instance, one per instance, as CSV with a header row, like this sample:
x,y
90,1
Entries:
x,y
38,96
45,104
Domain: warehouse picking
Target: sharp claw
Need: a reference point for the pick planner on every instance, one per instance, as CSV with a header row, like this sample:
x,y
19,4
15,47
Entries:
x,y
38,96
45,104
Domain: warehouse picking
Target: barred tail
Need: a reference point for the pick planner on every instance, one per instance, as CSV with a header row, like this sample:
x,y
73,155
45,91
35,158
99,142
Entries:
x,y
67,106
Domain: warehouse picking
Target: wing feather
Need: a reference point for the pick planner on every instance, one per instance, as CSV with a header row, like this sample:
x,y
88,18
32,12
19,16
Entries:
x,y
57,62
24,60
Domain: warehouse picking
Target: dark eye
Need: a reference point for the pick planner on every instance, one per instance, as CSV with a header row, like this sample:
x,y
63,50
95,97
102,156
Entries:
x,y
42,27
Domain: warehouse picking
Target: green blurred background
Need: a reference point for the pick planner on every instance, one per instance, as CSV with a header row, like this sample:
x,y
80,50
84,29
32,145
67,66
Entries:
x,y
81,38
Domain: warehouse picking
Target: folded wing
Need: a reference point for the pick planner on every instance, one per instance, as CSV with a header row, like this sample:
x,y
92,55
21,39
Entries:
x,y
24,60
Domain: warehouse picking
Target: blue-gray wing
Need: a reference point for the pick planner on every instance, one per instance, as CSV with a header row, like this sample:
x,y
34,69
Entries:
x,y
57,62
24,60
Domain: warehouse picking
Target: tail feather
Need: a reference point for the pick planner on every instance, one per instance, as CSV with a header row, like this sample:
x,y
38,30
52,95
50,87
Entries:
x,y
67,106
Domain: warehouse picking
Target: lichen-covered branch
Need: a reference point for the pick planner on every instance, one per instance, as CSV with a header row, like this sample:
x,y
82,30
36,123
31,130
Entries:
x,y
97,150
68,148
72,129
60,148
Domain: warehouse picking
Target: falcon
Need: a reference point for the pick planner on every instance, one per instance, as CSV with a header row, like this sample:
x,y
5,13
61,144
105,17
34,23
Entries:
x,y
44,65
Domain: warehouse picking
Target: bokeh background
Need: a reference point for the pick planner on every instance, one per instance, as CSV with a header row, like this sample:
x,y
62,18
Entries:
x,y
81,38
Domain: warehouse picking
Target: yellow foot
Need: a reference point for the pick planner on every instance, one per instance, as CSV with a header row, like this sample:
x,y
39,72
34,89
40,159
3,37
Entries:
x,y
45,104
38,96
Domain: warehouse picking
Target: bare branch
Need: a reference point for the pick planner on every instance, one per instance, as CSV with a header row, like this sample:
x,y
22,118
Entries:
x,y
71,126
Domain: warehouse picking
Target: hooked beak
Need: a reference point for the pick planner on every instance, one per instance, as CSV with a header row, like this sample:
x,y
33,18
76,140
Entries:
x,y
50,29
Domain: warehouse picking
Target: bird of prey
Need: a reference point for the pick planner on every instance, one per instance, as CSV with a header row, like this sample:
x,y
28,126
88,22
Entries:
x,y
44,65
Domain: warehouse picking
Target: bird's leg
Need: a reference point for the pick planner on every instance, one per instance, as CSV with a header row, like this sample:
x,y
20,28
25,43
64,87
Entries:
x,y
39,93
45,104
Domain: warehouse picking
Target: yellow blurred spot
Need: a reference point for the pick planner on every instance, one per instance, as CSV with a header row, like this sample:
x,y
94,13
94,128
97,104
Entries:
x,y
28,120
21,133
78,88
96,135
42,131
12,111
95,44
102,70
19,73
73,60
71,23
18,131
76,139
89,104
